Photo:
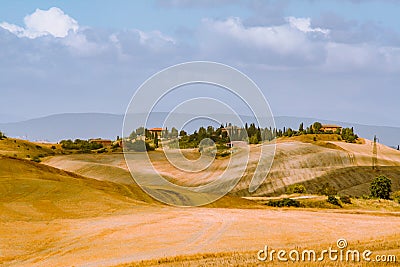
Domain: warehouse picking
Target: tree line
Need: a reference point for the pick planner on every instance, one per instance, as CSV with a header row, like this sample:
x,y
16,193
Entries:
x,y
249,133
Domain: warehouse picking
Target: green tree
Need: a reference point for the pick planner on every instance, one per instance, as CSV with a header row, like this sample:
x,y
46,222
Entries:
x,y
348,135
381,187
133,135
138,146
182,133
210,130
289,132
317,126
174,133
301,128
165,133
140,131
156,140
253,139
258,134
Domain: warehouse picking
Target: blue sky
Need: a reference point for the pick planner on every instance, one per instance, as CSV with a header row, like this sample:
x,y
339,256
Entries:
x,y
337,60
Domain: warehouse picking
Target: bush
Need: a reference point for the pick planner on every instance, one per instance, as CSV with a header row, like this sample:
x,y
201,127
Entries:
x,y
381,187
327,190
285,202
345,199
296,189
396,196
103,150
253,140
36,159
333,200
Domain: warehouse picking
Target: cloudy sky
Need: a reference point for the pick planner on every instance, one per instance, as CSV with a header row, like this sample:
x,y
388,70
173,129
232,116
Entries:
x,y
336,60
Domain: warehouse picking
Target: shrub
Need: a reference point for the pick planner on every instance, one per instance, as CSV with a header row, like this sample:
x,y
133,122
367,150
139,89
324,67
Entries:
x,y
36,159
296,189
253,140
345,199
285,202
53,147
364,196
396,196
327,190
381,187
333,200
103,150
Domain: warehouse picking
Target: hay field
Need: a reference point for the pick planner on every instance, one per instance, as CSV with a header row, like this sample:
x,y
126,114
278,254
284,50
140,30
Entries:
x,y
85,210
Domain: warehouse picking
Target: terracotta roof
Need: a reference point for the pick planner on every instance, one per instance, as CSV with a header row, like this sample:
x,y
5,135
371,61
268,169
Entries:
x,y
156,129
331,126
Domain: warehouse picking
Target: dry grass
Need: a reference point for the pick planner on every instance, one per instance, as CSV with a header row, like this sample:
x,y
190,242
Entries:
x,y
386,246
26,150
53,217
31,191
345,166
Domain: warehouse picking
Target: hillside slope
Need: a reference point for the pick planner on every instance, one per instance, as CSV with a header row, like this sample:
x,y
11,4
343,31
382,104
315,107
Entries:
x,y
34,191
345,166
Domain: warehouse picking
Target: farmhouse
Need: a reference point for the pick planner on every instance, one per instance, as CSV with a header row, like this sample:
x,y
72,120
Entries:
x,y
156,131
330,127
104,142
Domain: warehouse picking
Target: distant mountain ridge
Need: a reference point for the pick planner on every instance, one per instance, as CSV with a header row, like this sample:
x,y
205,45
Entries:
x,y
54,128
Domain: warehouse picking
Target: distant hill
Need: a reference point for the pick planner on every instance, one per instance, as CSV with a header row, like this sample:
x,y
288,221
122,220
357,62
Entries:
x,y
66,126
89,125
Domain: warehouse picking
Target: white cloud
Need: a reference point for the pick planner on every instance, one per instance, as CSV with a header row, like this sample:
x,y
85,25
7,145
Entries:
x,y
44,22
281,44
150,37
304,25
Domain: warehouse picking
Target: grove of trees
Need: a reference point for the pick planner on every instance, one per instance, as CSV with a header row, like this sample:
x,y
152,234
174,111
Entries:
x,y
222,135
78,144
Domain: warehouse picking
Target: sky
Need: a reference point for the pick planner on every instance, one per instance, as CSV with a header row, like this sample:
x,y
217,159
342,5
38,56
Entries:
x,y
334,60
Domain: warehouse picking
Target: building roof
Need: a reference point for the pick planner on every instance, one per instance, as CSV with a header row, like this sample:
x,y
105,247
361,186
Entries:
x,y
99,140
331,126
156,129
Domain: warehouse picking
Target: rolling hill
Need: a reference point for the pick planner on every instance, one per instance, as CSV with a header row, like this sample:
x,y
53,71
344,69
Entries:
x,y
89,125
32,191
91,213
345,166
